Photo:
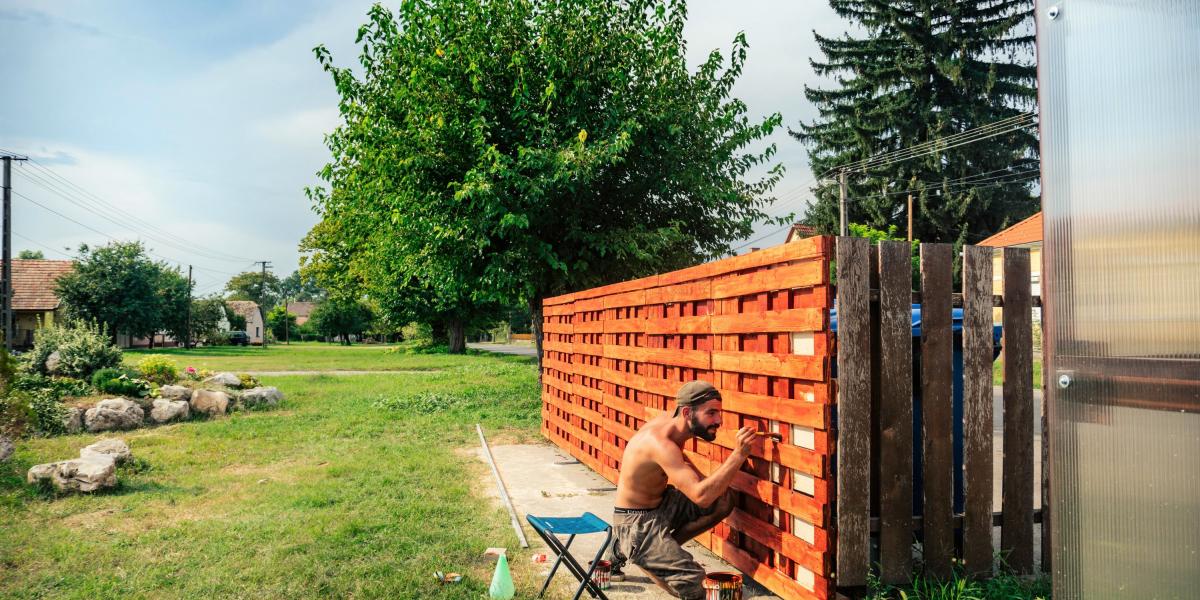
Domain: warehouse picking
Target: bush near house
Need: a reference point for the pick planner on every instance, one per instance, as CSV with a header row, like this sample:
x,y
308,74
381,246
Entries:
x,y
159,369
83,348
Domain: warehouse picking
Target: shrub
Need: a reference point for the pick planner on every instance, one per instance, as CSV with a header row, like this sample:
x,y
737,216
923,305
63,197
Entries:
x,y
122,382
83,348
46,412
220,338
248,380
159,369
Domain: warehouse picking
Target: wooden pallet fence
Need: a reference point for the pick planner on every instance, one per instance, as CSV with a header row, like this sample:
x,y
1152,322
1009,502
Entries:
x,y
874,437
756,326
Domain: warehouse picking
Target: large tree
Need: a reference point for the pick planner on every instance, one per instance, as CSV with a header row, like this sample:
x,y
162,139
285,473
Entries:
x,y
298,287
120,286
253,285
921,71
341,317
506,151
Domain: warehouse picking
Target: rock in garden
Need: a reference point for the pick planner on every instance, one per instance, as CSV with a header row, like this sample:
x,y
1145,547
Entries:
x,y
226,379
53,361
175,392
73,420
261,396
6,448
169,410
77,475
210,402
113,448
115,413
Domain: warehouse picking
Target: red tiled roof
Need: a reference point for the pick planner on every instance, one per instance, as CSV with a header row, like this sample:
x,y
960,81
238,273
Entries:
x,y
301,309
1025,232
800,231
245,308
33,283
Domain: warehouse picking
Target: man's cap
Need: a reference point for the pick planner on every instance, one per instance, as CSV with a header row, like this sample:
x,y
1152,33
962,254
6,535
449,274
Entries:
x,y
696,392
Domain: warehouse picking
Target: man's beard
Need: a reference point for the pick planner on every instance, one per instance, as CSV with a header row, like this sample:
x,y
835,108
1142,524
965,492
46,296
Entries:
x,y
699,430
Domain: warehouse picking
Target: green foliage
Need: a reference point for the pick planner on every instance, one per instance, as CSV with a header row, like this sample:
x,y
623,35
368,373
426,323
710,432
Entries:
x,y
253,285
119,286
82,347
236,322
891,234
913,73
1004,586
341,317
46,412
31,255
14,406
158,369
298,287
497,153
281,323
425,403
248,380
34,401
122,382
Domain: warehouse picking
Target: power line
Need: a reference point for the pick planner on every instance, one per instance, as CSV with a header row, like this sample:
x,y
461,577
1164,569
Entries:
x,y
44,246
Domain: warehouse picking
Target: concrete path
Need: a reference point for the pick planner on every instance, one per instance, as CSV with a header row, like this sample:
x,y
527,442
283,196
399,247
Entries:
x,y
518,349
545,481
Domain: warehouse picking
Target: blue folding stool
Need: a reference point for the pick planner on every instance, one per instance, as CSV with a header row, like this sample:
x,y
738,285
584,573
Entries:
x,y
549,528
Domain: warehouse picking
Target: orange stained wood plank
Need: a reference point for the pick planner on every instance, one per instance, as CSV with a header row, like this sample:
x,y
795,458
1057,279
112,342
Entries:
x,y
770,578
628,407
811,557
565,328
795,411
809,509
624,299
812,368
799,319
563,299
558,365
589,327
580,434
554,310
793,457
798,275
695,359
613,451
685,292
698,325
808,248
558,383
557,346
589,349
617,288
642,383
589,305
621,431
588,392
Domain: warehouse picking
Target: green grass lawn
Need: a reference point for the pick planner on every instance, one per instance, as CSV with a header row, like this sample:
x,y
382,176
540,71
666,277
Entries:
x,y
998,373
354,487
306,356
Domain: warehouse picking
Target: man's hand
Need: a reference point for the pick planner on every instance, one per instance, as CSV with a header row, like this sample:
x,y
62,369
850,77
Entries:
x,y
745,440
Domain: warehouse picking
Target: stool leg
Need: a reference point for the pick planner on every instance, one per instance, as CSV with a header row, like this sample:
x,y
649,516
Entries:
x,y
560,550
586,582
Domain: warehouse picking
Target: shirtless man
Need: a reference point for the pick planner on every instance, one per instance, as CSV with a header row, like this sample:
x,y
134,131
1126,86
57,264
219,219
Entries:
x,y
651,518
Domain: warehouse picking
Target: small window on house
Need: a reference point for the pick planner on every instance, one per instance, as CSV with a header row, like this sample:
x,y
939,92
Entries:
x,y
256,334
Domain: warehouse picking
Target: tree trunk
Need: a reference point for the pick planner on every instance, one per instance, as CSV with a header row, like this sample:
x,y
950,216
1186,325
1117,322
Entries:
x,y
457,336
535,328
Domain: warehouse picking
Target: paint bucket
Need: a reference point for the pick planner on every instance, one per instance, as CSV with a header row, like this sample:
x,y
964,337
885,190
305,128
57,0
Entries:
x,y
723,586
601,576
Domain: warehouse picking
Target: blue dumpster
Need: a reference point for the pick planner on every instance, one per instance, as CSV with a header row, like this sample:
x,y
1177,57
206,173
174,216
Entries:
x,y
957,409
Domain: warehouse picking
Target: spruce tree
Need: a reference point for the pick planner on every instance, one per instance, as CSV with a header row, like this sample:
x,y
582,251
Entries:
x,y
923,70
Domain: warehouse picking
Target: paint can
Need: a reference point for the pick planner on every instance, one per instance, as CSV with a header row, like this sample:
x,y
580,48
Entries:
x,y
723,586
601,576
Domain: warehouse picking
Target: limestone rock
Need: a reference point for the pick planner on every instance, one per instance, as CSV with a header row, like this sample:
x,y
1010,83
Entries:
x,y
226,379
175,392
114,448
6,448
261,396
77,475
169,410
73,420
210,402
114,413
52,362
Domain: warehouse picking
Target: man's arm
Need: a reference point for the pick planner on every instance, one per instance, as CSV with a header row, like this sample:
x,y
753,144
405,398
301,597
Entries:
x,y
703,491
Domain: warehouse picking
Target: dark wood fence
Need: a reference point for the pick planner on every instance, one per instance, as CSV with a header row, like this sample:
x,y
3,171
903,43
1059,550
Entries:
x,y
879,392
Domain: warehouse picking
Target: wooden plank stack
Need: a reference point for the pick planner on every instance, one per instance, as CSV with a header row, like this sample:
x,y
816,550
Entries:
x,y
756,326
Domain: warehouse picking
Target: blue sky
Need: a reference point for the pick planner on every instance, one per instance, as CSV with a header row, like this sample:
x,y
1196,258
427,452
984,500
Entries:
x,y
206,119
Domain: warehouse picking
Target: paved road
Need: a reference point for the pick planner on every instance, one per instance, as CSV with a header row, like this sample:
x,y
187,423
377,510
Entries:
x,y
518,349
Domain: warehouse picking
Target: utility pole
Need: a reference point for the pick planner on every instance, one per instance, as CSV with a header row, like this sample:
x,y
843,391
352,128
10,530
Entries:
x,y
910,208
8,265
844,227
187,336
287,340
262,300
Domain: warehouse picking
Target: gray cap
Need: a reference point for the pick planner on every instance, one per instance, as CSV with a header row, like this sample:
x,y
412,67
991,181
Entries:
x,y
696,392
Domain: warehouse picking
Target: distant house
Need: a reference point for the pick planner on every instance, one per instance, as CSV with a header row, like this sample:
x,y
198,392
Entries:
x,y
302,310
1026,234
800,231
34,302
248,309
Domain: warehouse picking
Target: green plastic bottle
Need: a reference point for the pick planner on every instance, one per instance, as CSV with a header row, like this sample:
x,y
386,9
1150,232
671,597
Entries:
x,y
502,583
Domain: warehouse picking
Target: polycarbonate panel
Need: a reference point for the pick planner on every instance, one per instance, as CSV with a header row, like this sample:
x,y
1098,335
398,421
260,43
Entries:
x,y
1120,124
